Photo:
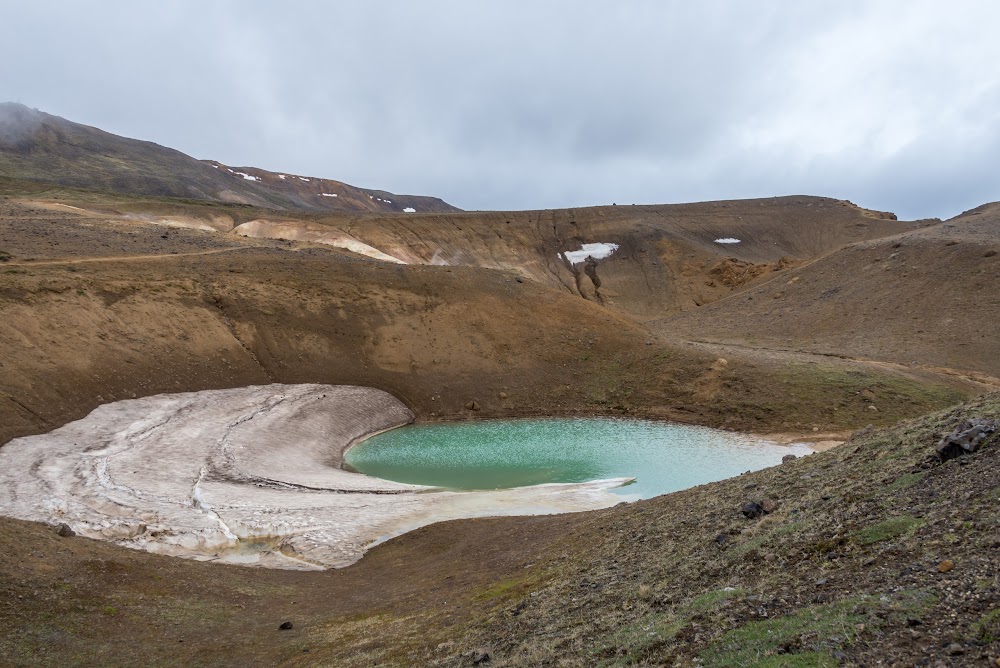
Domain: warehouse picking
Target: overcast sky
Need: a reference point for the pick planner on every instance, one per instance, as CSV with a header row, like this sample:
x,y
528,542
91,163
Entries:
x,y
513,105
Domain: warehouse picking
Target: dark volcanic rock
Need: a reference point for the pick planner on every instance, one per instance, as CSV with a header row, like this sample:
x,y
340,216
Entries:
x,y
65,531
752,510
965,438
285,626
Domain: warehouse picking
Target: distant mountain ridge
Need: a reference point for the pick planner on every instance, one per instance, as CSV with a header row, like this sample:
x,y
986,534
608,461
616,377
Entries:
x,y
41,147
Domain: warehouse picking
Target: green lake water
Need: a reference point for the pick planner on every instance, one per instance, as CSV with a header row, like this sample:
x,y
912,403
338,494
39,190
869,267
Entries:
x,y
498,454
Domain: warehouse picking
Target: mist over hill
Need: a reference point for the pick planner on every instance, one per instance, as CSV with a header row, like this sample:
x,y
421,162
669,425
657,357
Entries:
x,y
41,147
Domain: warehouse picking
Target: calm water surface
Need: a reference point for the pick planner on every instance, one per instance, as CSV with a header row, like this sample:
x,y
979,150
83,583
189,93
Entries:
x,y
497,454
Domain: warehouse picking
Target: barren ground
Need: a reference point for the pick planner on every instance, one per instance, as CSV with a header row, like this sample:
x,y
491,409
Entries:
x,y
96,307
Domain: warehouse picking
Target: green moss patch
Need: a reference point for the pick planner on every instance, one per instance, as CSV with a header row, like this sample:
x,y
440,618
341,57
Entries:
x,y
633,643
906,481
894,527
810,636
507,589
987,629
762,540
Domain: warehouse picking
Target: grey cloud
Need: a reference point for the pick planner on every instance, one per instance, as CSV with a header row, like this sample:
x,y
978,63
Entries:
x,y
17,124
543,104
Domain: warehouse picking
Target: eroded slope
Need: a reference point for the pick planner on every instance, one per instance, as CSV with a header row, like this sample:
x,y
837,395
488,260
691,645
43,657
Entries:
x,y
655,260
919,298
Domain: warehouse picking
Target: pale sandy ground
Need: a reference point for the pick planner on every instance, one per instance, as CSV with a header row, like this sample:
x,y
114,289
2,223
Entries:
x,y
249,475
297,231
214,223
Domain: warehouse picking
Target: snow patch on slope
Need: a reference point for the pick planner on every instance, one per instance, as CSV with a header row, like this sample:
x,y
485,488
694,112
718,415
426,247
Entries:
x,y
598,251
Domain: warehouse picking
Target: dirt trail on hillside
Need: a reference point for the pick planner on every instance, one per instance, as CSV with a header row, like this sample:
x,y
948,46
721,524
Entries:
x,y
988,383
119,258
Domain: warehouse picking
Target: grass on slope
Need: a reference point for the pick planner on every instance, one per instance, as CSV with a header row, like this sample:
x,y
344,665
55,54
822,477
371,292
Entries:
x,y
846,570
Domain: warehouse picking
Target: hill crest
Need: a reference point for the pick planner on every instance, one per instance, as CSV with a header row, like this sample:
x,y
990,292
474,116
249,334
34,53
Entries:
x,y
37,146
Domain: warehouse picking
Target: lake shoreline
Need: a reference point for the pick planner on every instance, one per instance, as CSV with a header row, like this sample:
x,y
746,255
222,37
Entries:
x,y
495,454
243,476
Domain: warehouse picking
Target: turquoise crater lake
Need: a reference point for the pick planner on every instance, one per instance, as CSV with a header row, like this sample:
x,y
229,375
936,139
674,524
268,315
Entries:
x,y
500,454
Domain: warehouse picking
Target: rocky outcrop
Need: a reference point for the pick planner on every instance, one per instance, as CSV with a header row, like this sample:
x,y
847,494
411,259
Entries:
x,y
966,438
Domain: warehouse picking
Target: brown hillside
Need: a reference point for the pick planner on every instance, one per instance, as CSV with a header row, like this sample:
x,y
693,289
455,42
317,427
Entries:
x,y
40,147
917,298
97,310
667,258
873,552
